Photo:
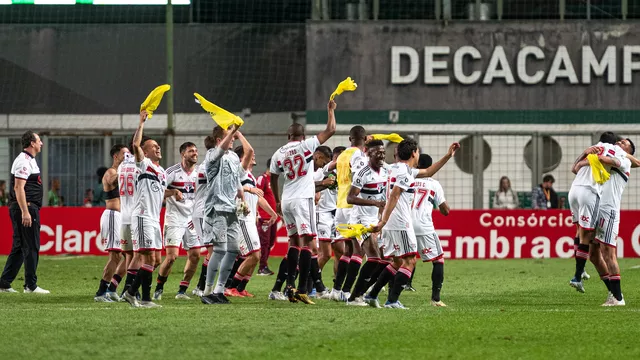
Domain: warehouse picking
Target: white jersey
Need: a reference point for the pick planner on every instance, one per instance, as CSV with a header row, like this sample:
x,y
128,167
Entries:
x,y
612,190
179,213
201,191
585,177
429,194
295,161
247,179
127,178
403,176
328,197
149,193
372,185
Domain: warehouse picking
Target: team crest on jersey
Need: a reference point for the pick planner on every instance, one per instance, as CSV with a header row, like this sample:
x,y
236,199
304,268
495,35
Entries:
x,y
188,186
154,186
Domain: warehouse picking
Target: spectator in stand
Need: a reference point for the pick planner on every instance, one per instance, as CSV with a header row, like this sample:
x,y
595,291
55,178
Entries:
x,y
88,198
267,232
543,196
505,198
99,196
54,193
3,193
562,203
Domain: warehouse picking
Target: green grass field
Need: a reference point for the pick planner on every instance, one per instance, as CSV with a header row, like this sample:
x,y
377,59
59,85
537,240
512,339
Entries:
x,y
507,309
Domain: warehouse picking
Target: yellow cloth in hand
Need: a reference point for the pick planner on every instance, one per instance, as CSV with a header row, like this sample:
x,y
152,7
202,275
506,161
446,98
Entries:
x,y
600,174
152,101
345,85
391,137
353,231
222,117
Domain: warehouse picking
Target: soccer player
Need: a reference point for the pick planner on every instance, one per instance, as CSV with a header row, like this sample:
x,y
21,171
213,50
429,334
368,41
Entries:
x,y
224,171
249,239
349,162
584,199
368,197
145,220
295,161
179,228
110,224
198,216
399,238
429,194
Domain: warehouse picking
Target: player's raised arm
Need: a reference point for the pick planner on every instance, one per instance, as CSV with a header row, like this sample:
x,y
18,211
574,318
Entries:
x,y
634,162
328,132
247,150
137,137
433,169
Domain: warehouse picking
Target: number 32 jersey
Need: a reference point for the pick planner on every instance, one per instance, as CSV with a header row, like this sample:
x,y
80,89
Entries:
x,y
295,161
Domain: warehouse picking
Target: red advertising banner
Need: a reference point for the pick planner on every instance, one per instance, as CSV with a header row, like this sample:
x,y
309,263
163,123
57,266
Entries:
x,y
465,234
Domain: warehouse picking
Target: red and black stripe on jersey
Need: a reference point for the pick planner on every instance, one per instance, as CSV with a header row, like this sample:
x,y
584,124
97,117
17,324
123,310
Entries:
x,y
392,182
184,187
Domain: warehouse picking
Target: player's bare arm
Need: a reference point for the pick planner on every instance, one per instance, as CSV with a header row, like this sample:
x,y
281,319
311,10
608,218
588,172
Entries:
x,y
177,194
444,208
21,196
634,162
590,150
110,179
354,199
247,149
579,164
137,137
607,160
434,168
253,190
324,184
328,132
391,204
264,205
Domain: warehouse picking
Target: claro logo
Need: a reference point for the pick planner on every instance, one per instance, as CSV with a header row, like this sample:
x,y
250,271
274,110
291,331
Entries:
x,y
69,241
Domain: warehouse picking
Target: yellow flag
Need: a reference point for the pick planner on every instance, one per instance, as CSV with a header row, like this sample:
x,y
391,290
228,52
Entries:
x,y
346,85
222,117
353,231
391,137
600,174
152,101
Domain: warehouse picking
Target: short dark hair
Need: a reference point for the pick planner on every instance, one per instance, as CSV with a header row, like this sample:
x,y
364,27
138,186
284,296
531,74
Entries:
x,y
27,138
424,161
218,133
338,150
116,149
209,142
548,177
358,133
100,172
268,163
239,150
406,148
374,143
295,130
324,150
608,137
186,145
633,146
144,140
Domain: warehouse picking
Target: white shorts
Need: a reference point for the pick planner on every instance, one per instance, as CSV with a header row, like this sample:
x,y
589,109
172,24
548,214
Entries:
x,y
222,229
342,217
584,207
366,222
399,243
326,226
174,236
429,247
145,234
299,216
110,224
125,238
249,239
608,226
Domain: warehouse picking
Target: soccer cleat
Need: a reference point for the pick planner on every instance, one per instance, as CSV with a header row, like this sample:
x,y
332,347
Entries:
x,y
324,295
245,293
313,294
210,299
373,302
289,292
615,302
208,290
232,292
304,298
408,287
577,284
438,303
222,299
158,294
395,305
277,295
37,290
265,272
149,305
197,292
182,296
344,296
359,301
113,296
335,295
102,298
8,290
585,276
130,299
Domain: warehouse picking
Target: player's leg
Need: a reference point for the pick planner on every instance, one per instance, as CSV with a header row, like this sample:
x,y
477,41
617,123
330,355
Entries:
x,y
173,236
407,251
315,276
281,278
342,258
236,265
354,267
606,236
370,248
249,245
243,275
121,271
305,223
147,241
232,252
386,276
215,228
293,253
192,243
110,232
430,250
584,210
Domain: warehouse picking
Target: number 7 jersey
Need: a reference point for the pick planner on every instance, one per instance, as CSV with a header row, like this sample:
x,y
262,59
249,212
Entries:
x,y
127,176
295,161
